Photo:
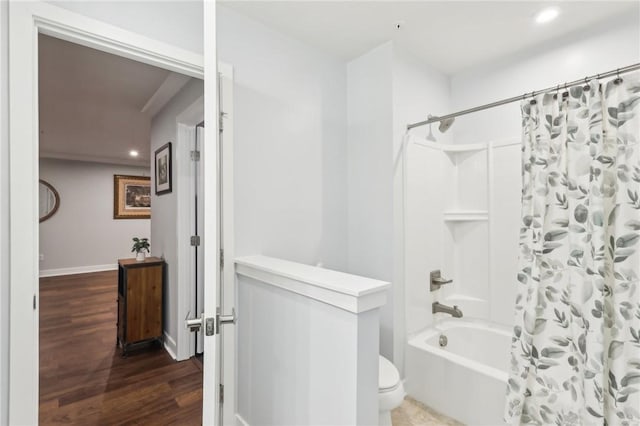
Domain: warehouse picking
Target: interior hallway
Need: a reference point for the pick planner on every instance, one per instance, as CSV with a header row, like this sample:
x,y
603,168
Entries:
x,y
83,378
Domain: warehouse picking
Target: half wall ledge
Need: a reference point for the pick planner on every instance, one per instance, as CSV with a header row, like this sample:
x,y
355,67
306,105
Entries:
x,y
352,293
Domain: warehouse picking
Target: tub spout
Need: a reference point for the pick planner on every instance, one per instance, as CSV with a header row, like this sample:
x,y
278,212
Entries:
x,y
439,307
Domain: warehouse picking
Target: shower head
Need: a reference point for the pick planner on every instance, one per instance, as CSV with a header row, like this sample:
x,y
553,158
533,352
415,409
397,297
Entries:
x,y
445,124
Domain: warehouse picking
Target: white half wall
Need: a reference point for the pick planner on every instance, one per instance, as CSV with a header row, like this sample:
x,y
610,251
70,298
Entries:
x,y
307,344
83,236
290,144
164,226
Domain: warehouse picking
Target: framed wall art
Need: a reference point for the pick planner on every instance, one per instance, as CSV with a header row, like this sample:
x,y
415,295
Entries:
x,y
163,169
131,197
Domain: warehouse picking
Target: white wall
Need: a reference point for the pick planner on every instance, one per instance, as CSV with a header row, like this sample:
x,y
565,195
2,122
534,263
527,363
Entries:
x,y
83,235
418,90
164,228
387,89
370,174
4,213
179,23
290,144
609,46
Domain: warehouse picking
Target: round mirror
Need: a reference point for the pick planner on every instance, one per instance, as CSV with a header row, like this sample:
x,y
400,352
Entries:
x,y
49,200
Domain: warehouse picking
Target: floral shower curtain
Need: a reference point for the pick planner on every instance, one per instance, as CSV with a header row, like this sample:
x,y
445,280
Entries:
x,y
575,355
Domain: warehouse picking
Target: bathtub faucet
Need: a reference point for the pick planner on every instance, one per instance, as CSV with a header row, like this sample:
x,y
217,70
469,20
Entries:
x,y
439,307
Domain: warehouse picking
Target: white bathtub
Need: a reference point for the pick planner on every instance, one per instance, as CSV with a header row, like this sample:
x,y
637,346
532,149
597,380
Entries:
x,y
466,379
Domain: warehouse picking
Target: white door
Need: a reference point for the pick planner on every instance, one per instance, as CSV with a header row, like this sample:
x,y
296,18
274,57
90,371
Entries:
x,y
206,316
227,296
208,325
210,238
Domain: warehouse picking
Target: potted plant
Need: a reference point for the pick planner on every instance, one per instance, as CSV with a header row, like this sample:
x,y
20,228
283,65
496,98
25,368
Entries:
x,y
139,246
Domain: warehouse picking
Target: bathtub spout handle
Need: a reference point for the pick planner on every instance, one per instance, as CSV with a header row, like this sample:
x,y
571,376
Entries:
x,y
436,280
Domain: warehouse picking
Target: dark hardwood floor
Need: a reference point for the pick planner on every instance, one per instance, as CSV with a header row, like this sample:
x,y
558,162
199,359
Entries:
x,y
83,378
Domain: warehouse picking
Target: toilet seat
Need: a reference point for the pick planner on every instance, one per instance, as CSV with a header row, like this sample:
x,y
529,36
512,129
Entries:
x,y
388,376
390,390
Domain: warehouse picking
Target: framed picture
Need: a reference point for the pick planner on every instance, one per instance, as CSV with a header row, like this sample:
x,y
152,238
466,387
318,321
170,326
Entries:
x,y
163,169
131,197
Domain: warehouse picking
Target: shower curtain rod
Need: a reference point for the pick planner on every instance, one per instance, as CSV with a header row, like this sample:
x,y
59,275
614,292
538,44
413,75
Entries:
x,y
611,73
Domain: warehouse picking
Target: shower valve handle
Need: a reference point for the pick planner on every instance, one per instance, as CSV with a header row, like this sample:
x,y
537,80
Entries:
x,y
436,280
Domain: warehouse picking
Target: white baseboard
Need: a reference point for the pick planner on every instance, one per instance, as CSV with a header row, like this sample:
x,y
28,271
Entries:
x,y
77,270
240,421
170,346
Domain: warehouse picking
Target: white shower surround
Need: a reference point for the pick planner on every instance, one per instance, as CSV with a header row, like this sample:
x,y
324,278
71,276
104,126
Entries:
x,y
462,204
466,379
462,214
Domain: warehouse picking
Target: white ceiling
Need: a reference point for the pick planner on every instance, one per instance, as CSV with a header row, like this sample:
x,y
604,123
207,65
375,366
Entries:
x,y
96,106
91,103
449,35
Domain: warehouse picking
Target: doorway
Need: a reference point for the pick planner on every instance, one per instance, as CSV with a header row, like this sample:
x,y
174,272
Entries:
x,y
26,21
123,113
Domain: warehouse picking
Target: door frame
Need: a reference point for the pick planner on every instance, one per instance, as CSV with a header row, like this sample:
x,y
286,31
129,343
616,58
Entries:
x,y
26,21
227,297
186,125
185,341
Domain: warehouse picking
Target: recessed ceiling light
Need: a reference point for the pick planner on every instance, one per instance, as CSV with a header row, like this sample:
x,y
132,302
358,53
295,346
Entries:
x,y
133,153
547,15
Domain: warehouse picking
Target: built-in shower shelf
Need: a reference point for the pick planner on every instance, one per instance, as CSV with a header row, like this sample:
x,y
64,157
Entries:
x,y
453,148
465,215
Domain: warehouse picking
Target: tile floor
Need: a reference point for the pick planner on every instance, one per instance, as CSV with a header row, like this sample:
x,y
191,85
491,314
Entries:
x,y
414,413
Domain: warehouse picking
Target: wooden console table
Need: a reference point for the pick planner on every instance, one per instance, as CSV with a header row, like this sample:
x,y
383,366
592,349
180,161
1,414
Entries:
x,y
140,301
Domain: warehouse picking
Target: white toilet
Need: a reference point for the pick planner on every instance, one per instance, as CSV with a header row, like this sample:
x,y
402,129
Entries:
x,y
390,390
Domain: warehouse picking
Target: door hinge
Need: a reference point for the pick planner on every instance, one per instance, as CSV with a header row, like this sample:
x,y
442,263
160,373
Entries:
x,y
221,392
195,240
221,117
195,155
34,302
221,258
